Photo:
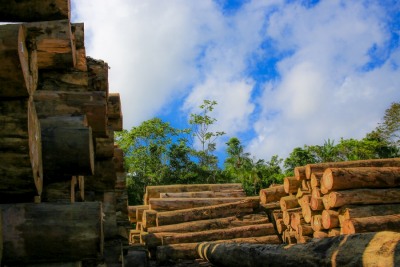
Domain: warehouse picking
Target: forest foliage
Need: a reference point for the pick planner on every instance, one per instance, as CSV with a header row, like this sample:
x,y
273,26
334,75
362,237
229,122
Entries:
x,y
157,153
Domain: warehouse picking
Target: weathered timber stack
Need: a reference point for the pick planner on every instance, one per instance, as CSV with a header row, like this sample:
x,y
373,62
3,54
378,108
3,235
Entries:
x,y
176,218
329,199
57,143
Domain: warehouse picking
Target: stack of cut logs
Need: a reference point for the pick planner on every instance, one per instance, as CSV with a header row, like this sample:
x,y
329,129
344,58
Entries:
x,y
175,219
56,141
329,199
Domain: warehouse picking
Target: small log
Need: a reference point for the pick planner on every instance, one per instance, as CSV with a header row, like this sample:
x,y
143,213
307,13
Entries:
x,y
272,194
372,224
320,167
78,225
316,203
54,42
34,10
291,184
132,212
300,173
316,223
286,215
316,179
149,219
334,232
204,213
104,146
204,194
288,202
280,226
320,234
18,77
305,200
353,211
289,236
104,176
118,159
154,191
353,250
307,213
139,212
316,192
296,219
212,224
330,219
69,80
169,204
306,185
364,196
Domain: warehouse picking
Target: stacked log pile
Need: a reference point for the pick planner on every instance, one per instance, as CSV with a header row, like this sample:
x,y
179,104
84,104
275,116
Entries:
x,y
56,142
175,219
330,199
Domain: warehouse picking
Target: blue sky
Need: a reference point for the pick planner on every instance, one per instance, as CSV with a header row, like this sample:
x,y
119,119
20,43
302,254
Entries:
x,y
284,73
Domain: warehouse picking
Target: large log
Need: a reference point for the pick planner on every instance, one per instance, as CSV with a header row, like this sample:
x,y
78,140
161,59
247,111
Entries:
x,y
64,103
366,177
361,211
34,10
67,147
204,225
291,185
330,219
21,168
272,194
320,167
149,219
51,232
54,43
288,202
104,146
168,204
204,213
154,239
154,191
69,80
389,222
104,176
300,173
353,250
204,194
18,69
363,196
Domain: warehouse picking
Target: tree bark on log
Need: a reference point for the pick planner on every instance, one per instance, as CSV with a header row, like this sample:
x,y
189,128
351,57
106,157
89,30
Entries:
x,y
70,80
320,167
34,10
361,211
372,224
272,194
54,43
353,250
51,232
366,177
205,213
300,173
203,194
154,191
18,69
169,204
21,158
149,219
288,202
291,184
212,224
67,147
330,219
363,196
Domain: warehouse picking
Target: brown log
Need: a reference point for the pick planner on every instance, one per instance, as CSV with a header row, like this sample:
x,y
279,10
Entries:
x,y
98,75
78,225
320,234
364,196
115,112
110,228
354,250
132,212
169,204
78,32
330,219
21,158
316,192
189,251
104,146
316,223
204,213
280,226
59,192
325,200
288,236
353,211
372,224
212,224
149,219
204,194
307,213
300,173
219,234
118,159
291,184
286,215
305,230
320,167
64,103
104,176
316,203
316,179
18,72
272,194
366,177
34,10
306,185
67,147
69,80
54,43
296,219
288,202
139,212
334,232
305,200
154,191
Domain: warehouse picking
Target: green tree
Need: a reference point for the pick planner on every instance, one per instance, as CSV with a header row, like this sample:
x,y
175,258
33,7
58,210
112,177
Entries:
x,y
389,128
298,157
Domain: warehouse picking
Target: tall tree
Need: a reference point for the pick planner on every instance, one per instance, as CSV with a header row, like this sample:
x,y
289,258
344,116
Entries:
x,y
389,128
